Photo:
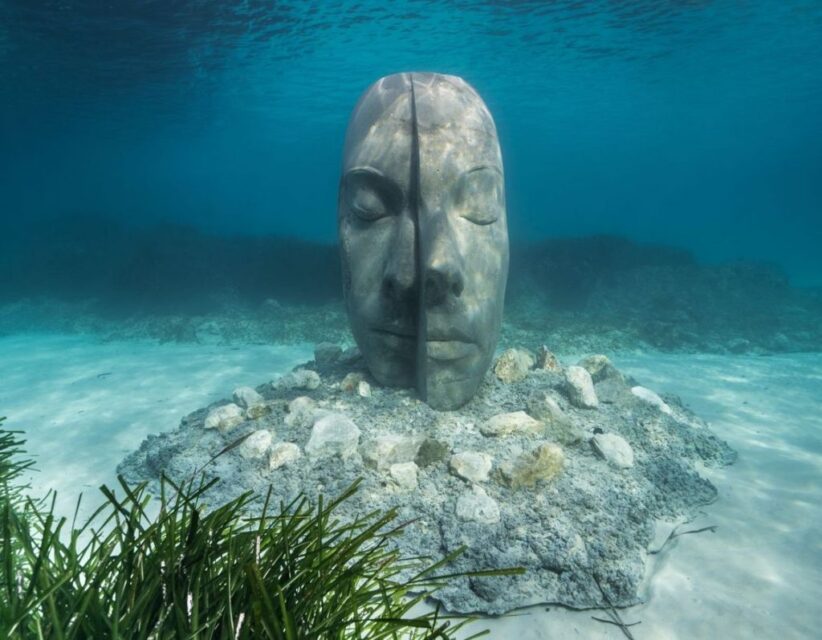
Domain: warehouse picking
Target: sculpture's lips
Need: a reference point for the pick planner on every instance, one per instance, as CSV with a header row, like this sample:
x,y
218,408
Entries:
x,y
452,344
450,349
398,340
398,332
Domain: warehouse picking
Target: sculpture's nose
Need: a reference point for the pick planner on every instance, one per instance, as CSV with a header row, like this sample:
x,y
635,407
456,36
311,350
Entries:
x,y
443,280
400,276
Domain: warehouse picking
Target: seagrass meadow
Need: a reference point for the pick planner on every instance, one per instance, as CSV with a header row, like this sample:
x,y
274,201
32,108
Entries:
x,y
193,571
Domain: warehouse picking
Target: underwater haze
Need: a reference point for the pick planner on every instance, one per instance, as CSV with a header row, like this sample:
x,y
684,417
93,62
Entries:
x,y
694,124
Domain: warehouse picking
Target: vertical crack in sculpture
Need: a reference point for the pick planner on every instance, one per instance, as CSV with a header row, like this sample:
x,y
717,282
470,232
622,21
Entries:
x,y
414,203
423,234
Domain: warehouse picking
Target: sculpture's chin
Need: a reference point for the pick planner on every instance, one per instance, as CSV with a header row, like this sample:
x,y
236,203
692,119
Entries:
x,y
448,394
389,369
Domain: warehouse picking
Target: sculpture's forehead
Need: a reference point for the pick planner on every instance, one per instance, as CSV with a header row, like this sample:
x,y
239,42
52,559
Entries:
x,y
453,124
449,102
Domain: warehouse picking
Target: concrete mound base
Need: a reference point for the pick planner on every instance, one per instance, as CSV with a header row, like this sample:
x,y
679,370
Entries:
x,y
561,470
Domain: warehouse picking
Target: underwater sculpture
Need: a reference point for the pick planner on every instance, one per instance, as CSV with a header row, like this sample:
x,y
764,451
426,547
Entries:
x,y
423,233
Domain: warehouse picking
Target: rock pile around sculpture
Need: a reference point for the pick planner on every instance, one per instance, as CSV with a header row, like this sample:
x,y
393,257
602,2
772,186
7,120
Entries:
x,y
561,470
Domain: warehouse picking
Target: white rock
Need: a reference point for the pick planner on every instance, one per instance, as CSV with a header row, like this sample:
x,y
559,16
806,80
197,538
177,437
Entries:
x,y
351,382
513,365
600,368
363,389
472,465
390,448
544,463
333,434
404,474
283,453
646,395
224,418
247,397
257,411
478,506
615,449
505,424
298,379
256,445
301,412
253,402
580,388
546,360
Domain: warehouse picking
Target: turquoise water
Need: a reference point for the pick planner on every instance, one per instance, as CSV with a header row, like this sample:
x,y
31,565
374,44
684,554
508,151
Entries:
x,y
168,191
689,123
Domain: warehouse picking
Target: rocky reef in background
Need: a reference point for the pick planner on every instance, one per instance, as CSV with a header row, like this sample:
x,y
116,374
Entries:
x,y
599,293
561,470
661,297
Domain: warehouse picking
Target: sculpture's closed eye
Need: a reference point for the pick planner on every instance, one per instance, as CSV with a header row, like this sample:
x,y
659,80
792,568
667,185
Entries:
x,y
479,196
370,195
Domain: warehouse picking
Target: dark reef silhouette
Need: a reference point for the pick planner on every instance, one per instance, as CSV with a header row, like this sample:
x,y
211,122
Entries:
x,y
598,286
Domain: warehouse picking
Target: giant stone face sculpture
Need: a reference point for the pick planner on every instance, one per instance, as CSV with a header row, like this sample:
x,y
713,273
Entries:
x,y
423,232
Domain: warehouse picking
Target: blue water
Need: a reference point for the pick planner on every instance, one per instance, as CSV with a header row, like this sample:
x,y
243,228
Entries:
x,y
689,123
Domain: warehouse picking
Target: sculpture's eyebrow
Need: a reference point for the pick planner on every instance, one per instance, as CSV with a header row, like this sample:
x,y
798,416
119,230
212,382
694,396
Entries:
x,y
376,175
484,167
366,169
374,179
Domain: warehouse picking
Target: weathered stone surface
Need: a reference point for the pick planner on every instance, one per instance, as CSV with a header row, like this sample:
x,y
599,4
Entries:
x,y
283,453
431,452
472,465
513,365
388,449
350,355
256,446
600,367
257,411
614,449
298,379
247,397
224,418
301,412
646,395
477,506
326,353
253,403
506,424
333,435
544,406
351,382
544,462
546,360
580,388
612,390
404,475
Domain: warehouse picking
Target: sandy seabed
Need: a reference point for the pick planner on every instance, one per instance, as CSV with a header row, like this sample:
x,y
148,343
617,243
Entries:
x,y
85,404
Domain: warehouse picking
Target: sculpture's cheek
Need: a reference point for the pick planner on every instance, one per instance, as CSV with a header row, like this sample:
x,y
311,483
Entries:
x,y
379,256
